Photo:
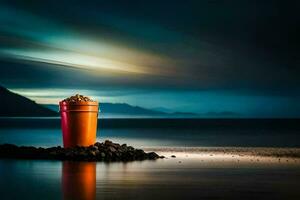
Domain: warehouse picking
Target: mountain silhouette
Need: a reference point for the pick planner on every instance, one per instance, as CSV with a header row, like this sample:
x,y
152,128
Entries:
x,y
124,109
117,108
222,114
128,110
14,105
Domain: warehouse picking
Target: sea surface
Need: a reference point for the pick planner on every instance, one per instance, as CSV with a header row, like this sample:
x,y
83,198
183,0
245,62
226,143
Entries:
x,y
146,133
188,176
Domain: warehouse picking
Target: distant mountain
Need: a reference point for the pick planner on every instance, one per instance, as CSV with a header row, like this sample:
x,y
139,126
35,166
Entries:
x,y
14,105
128,110
184,113
222,114
123,109
162,109
118,108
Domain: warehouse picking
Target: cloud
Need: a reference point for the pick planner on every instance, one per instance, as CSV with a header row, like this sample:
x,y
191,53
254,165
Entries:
x,y
68,48
195,51
247,48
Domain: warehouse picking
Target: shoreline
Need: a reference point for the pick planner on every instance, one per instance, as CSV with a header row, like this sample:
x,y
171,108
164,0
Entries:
x,y
277,152
109,151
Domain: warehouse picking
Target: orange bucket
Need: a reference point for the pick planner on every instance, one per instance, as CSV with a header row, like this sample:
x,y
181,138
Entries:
x,y
79,123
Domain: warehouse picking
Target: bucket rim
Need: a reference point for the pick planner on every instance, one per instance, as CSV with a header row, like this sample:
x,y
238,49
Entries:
x,y
82,103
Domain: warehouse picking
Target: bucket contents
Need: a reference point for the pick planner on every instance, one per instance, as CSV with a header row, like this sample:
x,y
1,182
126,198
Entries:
x,y
77,98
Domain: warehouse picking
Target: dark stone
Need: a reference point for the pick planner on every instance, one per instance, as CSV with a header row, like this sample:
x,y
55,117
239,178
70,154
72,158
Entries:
x,y
83,154
109,155
107,151
107,143
98,144
173,156
153,155
130,148
92,148
112,149
91,153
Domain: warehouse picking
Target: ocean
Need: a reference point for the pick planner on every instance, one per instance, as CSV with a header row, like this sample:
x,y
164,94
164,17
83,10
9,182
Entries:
x,y
188,176
146,133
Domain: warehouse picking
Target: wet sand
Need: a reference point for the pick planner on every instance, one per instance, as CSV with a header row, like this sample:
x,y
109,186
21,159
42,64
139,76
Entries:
x,y
233,153
255,151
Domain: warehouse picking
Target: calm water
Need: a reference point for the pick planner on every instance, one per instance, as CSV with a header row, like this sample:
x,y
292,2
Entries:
x,y
184,177
162,179
160,133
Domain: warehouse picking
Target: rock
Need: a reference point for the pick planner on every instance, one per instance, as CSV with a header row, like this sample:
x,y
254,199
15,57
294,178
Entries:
x,y
92,155
93,148
107,143
109,155
107,151
139,152
53,153
111,149
83,154
98,144
122,149
130,148
69,154
173,156
153,155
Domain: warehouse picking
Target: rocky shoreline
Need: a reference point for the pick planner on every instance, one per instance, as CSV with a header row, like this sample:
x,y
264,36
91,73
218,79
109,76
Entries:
x,y
106,151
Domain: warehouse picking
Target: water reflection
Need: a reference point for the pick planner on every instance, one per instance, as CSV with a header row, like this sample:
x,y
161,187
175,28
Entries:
x,y
196,177
79,180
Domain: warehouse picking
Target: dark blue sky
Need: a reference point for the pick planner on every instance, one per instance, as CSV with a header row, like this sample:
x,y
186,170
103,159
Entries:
x,y
195,56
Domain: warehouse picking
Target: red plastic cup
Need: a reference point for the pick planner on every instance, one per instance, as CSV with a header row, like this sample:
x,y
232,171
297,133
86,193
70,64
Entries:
x,y
79,123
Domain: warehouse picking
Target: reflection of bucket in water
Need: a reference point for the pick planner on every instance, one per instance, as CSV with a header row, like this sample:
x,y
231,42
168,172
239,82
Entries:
x,y
79,180
79,123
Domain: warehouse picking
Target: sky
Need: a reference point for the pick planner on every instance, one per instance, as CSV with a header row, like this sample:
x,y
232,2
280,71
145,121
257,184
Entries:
x,y
192,56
